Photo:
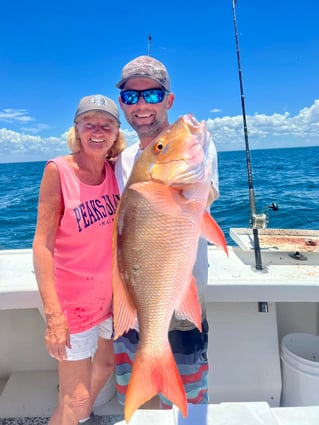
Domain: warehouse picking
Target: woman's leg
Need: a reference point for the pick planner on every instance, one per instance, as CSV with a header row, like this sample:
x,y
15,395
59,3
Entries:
x,y
102,367
74,392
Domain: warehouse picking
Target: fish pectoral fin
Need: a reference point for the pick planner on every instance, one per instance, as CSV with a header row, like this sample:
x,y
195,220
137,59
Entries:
x,y
190,308
212,232
151,376
162,197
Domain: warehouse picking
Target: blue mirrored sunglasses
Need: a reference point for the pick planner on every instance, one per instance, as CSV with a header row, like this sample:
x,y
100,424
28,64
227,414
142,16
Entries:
x,y
131,97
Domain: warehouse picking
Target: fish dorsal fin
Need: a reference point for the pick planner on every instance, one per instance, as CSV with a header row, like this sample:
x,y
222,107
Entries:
x,y
190,308
212,232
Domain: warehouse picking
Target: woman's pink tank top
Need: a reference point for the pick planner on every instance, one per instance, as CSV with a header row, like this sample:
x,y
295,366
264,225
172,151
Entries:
x,y
83,248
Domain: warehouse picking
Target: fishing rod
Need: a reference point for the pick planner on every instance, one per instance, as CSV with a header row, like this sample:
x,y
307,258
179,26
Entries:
x,y
149,39
256,221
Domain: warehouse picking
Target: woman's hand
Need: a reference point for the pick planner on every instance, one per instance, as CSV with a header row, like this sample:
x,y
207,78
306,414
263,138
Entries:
x,y
57,335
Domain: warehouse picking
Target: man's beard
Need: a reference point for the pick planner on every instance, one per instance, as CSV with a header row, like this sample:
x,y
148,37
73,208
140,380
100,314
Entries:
x,y
147,130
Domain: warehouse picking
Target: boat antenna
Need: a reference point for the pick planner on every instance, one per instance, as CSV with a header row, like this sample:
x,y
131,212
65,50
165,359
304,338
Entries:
x,y
149,39
254,219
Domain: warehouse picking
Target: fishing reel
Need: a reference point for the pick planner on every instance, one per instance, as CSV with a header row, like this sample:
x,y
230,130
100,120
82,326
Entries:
x,y
260,221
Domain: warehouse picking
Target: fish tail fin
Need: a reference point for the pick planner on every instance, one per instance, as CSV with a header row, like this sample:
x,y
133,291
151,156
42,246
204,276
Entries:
x,y
212,232
151,376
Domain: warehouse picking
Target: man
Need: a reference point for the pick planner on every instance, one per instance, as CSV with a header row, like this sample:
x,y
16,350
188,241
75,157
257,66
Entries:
x,y
145,99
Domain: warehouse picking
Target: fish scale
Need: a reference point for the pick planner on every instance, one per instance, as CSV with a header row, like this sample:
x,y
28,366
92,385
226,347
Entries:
x,y
166,262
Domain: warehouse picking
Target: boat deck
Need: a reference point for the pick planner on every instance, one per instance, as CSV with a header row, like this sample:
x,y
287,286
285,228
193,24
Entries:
x,y
242,371
221,414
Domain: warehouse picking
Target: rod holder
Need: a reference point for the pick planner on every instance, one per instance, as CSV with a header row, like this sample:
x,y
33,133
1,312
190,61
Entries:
x,y
263,307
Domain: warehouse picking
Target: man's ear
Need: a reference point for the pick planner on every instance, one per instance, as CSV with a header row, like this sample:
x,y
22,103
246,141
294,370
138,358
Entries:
x,y
170,100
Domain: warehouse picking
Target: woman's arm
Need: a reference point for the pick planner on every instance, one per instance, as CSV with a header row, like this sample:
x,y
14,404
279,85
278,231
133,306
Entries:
x,y
50,210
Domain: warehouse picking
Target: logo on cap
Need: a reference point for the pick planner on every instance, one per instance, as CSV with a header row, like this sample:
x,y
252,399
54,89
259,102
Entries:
x,y
99,100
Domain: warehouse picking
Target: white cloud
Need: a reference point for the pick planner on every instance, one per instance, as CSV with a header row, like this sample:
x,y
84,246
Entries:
x,y
21,116
130,136
16,146
35,129
265,131
15,115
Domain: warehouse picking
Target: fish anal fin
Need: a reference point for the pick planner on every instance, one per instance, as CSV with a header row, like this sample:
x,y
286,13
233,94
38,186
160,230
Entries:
x,y
212,232
190,308
151,376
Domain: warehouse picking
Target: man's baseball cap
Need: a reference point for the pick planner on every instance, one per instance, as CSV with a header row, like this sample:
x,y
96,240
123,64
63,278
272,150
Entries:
x,y
145,67
97,102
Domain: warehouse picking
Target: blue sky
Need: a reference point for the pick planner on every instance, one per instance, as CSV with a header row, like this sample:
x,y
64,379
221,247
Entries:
x,y
52,54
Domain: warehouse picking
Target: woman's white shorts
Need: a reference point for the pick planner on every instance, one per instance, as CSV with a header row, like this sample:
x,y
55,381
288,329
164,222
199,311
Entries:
x,y
84,344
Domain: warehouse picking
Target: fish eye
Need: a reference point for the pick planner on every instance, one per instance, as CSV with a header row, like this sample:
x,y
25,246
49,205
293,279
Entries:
x,y
159,146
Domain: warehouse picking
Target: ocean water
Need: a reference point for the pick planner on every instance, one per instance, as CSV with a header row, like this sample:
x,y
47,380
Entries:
x,y
289,177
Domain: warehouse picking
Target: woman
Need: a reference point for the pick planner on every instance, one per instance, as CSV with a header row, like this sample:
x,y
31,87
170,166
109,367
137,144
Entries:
x,y
72,257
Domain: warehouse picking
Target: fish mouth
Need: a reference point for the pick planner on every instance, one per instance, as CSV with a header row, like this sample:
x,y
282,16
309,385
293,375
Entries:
x,y
196,153
195,167
195,174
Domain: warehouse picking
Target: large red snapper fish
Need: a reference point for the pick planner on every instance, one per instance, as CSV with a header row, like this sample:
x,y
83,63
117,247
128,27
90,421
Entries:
x,y
162,213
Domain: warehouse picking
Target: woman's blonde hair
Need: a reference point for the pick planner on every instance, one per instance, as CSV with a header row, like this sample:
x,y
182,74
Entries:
x,y
118,146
